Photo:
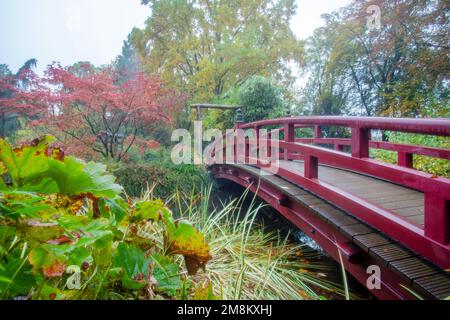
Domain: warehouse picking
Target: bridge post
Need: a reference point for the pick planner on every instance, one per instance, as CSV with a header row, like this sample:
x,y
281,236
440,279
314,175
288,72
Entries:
x,y
360,142
338,147
289,136
257,134
311,167
317,132
437,218
405,159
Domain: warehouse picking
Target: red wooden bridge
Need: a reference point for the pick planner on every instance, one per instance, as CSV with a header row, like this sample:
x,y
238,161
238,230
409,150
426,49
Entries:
x,y
367,211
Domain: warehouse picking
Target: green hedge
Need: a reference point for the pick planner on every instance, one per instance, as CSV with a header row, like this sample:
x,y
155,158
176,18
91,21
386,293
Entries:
x,y
167,178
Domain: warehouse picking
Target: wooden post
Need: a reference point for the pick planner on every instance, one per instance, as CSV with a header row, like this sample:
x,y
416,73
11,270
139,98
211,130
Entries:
x,y
199,114
339,147
311,167
257,143
405,159
360,142
437,218
289,136
317,132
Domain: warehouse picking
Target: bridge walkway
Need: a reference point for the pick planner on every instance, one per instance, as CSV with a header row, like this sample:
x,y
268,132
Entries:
x,y
403,201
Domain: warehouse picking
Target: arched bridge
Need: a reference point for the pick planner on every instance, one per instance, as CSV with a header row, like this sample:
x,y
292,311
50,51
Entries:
x,y
371,213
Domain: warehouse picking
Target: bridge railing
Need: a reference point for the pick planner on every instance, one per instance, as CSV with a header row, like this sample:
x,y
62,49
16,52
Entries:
x,y
436,189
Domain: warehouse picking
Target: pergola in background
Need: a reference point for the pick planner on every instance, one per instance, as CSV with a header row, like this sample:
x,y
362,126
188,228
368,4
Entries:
x,y
199,106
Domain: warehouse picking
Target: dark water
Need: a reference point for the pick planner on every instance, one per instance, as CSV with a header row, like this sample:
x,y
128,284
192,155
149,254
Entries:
x,y
273,221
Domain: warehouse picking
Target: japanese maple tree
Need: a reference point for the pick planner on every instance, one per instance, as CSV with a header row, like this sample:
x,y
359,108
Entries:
x,y
91,112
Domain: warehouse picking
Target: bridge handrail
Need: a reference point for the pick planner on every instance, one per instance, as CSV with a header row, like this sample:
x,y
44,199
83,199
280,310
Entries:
x,y
435,126
339,143
361,138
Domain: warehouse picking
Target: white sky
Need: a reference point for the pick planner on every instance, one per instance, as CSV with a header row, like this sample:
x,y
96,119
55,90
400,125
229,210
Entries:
x,y
69,31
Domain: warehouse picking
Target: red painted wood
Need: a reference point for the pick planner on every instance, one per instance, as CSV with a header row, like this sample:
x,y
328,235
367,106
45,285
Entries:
x,y
338,147
410,178
289,136
432,241
439,127
437,218
289,132
405,159
317,132
360,143
311,167
397,147
419,150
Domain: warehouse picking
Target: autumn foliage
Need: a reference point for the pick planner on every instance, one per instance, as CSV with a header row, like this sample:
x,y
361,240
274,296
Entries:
x,y
92,113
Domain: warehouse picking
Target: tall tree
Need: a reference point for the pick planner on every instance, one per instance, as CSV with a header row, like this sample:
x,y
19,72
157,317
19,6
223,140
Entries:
x,y
9,82
91,113
127,64
210,46
397,68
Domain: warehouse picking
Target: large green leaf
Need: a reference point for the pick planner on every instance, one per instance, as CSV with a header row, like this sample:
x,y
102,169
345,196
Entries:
x,y
79,256
19,204
94,235
26,164
75,177
115,209
134,264
33,168
167,275
149,210
51,293
16,277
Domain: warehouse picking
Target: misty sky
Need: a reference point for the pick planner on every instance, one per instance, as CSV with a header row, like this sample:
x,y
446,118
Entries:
x,y
69,31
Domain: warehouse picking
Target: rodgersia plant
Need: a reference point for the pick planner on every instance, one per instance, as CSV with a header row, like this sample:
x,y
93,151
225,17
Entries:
x,y
65,224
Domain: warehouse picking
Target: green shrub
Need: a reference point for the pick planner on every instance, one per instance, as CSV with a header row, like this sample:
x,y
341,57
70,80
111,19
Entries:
x,y
439,167
164,178
67,233
261,99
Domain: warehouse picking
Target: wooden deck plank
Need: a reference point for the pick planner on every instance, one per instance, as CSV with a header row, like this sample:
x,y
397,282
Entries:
x,y
355,230
438,285
406,204
391,252
419,219
389,198
368,241
407,212
413,268
400,200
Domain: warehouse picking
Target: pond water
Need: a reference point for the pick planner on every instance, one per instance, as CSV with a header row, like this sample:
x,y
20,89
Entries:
x,y
273,221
